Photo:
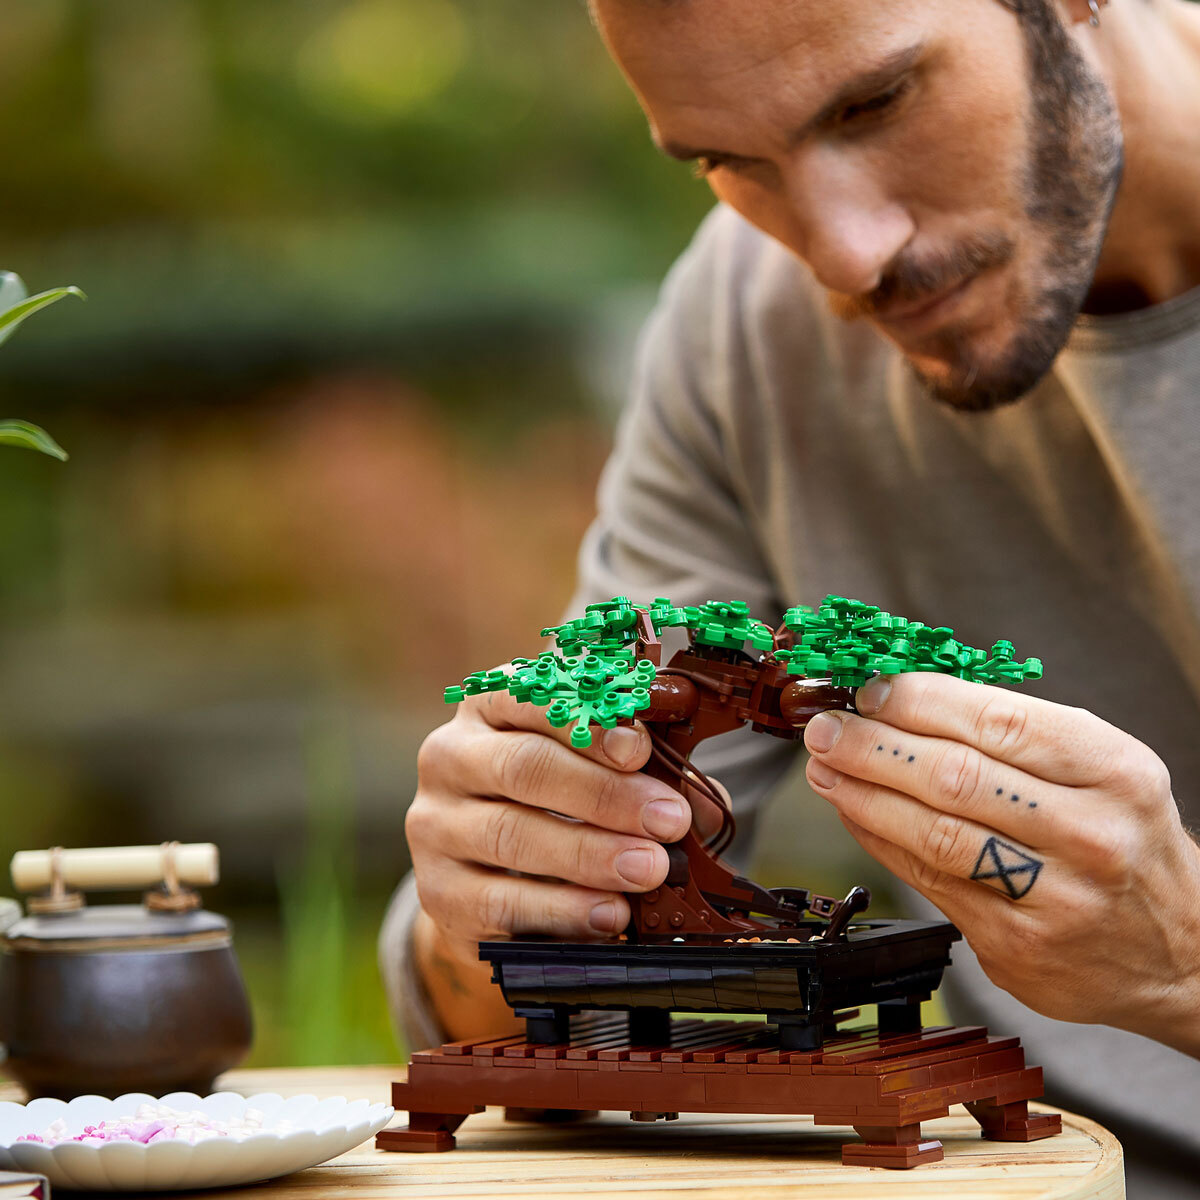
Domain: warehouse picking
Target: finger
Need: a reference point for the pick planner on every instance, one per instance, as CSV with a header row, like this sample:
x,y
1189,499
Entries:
x,y
707,818
514,837
940,843
626,746
530,768
477,904
963,902
952,777
1052,741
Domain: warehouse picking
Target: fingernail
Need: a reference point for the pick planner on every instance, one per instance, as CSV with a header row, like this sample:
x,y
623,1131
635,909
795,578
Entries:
x,y
621,744
604,918
823,732
872,696
822,776
665,819
637,866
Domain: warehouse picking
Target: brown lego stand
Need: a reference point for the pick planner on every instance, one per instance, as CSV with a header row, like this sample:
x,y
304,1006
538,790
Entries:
x,y
600,1033
883,1086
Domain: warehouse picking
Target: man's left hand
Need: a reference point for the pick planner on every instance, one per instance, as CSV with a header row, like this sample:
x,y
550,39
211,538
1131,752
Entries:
x,y
1048,836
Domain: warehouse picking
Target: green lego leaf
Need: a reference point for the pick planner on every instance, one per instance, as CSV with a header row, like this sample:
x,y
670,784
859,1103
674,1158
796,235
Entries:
x,y
600,688
593,677
608,626
850,641
725,625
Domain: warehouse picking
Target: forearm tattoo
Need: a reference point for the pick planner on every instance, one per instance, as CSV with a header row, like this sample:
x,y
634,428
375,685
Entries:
x,y
1007,869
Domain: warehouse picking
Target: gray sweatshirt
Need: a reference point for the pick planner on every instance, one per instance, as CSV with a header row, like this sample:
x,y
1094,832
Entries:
x,y
772,453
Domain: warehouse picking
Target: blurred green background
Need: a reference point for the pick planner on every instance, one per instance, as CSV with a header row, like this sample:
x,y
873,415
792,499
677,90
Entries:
x,y
364,277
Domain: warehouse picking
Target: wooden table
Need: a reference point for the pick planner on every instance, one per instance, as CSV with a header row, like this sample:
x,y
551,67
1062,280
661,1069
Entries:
x,y
717,1158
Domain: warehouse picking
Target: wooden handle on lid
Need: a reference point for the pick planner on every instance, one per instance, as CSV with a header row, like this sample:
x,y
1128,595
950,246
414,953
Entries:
x,y
116,868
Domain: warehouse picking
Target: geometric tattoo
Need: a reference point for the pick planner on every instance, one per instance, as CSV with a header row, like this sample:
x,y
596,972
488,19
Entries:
x,y
1014,871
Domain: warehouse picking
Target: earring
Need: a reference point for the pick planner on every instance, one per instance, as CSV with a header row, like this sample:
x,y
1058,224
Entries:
x,y
1094,19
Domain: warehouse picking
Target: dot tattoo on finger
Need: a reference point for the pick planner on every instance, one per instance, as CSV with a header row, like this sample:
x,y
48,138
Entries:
x,y
1006,869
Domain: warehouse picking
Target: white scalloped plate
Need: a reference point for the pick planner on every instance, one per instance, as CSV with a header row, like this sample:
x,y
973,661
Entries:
x,y
320,1130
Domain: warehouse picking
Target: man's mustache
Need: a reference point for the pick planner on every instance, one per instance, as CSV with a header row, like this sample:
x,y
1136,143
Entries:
x,y
908,279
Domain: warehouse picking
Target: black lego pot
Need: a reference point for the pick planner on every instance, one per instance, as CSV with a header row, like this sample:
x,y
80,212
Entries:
x,y
119,998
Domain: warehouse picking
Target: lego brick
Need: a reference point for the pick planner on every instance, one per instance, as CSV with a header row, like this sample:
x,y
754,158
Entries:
x,y
589,1049
492,1048
466,1047
927,1039
858,1154
614,1057
835,1116
1022,1085
935,1056
709,1050
913,1079
693,988
686,1053
998,1062
736,1092
751,1053
607,981
789,1058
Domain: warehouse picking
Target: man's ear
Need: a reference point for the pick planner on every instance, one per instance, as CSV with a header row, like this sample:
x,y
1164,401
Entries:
x,y
1077,11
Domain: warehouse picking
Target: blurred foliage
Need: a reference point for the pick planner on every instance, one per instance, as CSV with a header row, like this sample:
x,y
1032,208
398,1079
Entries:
x,y
206,110
248,186
353,266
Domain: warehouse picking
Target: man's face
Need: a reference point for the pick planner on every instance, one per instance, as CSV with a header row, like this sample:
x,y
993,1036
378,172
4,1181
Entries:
x,y
945,169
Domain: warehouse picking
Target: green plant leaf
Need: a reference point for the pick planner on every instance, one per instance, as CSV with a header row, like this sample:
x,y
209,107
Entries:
x,y
12,290
31,437
11,317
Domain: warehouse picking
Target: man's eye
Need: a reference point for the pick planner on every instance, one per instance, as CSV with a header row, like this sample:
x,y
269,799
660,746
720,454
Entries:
x,y
875,106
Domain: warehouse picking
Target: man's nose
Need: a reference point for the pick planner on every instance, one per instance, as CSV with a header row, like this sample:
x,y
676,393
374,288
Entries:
x,y
848,227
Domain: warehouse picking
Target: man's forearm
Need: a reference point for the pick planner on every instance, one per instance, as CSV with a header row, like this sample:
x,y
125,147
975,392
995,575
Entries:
x,y
465,1000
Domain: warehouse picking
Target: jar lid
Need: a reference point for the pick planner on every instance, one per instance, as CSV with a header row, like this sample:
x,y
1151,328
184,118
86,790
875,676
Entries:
x,y
114,926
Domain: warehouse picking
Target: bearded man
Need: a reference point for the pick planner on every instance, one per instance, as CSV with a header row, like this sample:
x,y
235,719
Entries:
x,y
937,347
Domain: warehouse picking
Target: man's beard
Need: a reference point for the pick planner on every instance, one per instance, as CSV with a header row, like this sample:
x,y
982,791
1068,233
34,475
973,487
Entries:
x,y
1069,187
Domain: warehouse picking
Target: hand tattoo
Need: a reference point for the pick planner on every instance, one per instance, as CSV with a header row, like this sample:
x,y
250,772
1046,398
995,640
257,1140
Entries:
x,y
1013,871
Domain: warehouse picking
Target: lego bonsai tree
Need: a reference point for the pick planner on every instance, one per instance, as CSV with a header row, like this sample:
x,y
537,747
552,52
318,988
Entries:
x,y
16,305
735,670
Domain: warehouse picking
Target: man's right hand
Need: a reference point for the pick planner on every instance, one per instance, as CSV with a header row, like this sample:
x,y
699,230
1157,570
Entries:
x,y
512,831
